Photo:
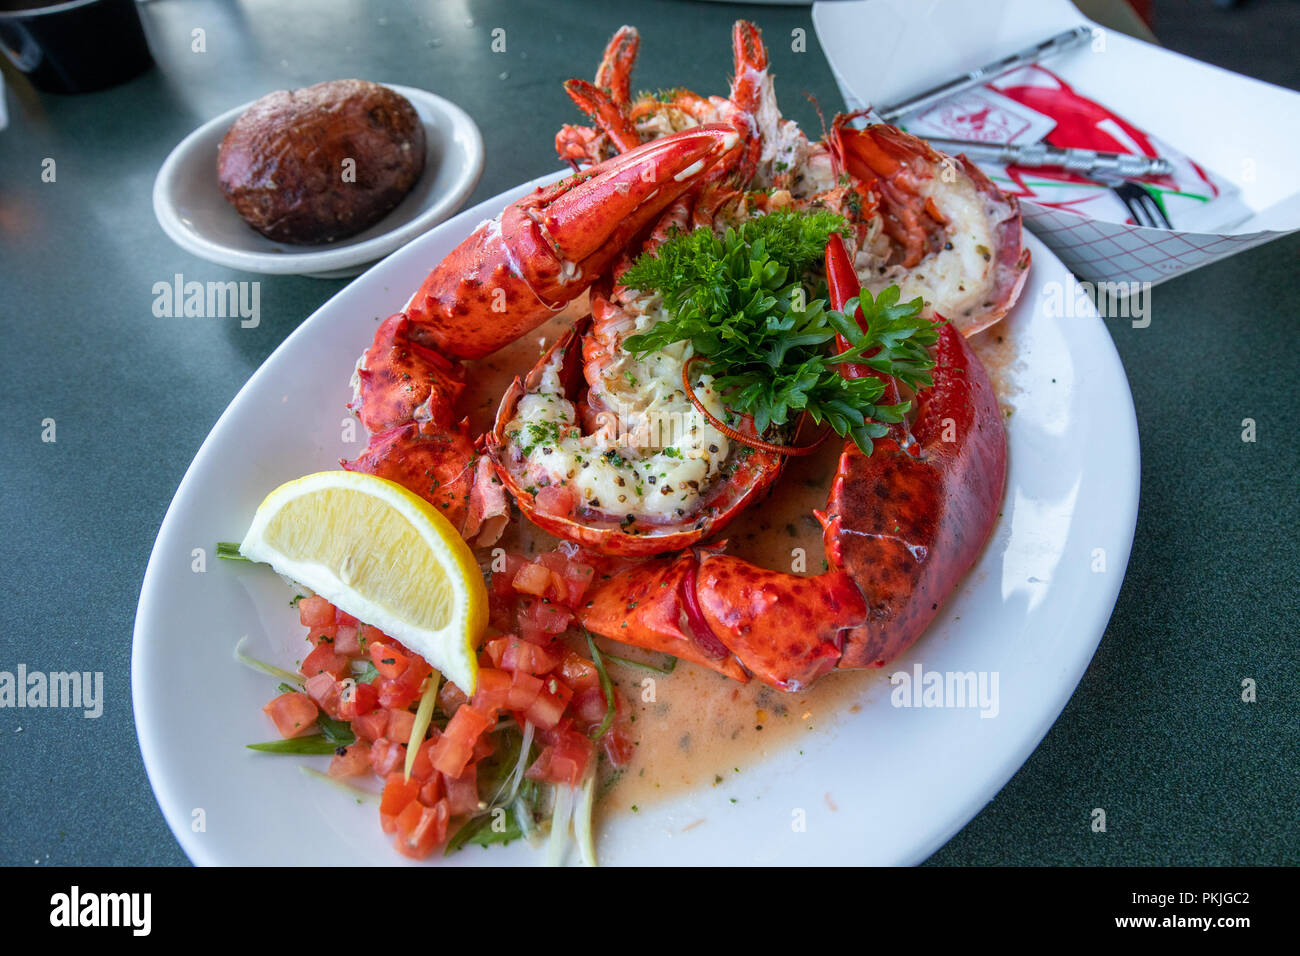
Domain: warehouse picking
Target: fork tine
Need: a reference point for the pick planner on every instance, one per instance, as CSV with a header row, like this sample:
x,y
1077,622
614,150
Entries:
x,y
1156,211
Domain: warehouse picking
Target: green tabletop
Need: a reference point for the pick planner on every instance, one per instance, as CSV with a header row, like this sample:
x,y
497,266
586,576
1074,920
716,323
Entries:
x,y
1157,732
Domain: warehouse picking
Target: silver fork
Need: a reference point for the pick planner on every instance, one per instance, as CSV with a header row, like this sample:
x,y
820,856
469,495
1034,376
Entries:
x,y
1141,205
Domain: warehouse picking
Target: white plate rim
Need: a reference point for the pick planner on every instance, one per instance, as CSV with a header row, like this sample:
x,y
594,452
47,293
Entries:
x,y
1124,442
338,256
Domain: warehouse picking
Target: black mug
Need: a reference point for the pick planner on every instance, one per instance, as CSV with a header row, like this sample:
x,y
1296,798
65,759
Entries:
x,y
74,46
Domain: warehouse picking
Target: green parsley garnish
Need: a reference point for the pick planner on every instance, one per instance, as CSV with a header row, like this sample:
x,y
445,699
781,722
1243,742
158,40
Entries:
x,y
740,300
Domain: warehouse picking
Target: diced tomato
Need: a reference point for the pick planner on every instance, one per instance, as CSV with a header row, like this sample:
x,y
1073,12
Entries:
x,y
398,794
344,619
347,641
493,690
590,706
496,648
539,620
389,661
462,791
356,700
315,611
578,672
421,829
570,578
532,579
294,714
324,689
371,726
619,745
524,688
322,635
323,660
386,756
502,596
397,694
556,500
483,747
564,761
431,791
450,697
541,767
548,708
548,735
532,658
456,745
369,636
570,757
400,724
353,762
422,766
405,690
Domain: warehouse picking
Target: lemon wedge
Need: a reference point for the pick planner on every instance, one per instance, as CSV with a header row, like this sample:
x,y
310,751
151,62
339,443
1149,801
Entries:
x,y
382,554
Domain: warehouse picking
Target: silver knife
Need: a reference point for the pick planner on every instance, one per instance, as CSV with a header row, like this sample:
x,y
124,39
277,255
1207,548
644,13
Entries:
x,y
1039,51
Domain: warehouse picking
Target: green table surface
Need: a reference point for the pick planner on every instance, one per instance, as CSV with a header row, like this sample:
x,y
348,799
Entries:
x,y
1156,733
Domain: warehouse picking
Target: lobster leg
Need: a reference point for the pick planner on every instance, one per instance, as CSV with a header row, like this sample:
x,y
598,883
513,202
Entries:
x,y
615,70
606,112
543,251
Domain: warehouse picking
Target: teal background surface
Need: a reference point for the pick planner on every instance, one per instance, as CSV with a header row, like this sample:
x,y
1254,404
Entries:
x,y
1156,733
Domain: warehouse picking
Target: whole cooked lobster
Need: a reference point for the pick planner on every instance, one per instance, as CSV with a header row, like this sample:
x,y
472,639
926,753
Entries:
x,y
901,526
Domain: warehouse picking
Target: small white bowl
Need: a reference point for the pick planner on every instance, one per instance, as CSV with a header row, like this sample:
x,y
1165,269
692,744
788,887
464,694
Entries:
x,y
193,211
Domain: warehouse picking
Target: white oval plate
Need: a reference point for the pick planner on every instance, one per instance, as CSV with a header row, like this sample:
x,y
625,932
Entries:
x,y
194,212
883,785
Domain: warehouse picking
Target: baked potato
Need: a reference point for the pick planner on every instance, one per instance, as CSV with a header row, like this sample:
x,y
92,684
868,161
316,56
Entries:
x,y
319,164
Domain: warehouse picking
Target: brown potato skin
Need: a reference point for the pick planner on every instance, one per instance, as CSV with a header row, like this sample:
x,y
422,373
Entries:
x,y
281,163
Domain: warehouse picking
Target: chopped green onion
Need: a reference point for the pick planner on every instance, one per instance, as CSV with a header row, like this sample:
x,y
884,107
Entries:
x,y
270,669
229,551
561,817
606,688
628,662
525,753
312,744
582,818
524,817
423,714
360,794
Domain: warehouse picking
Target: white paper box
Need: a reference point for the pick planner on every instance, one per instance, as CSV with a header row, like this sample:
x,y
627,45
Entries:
x,y
1246,131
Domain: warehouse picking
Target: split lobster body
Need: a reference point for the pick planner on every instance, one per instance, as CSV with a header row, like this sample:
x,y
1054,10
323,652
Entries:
x,y
902,526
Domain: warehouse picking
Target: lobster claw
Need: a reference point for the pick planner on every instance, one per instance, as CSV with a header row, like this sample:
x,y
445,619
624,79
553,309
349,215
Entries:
x,y
542,252
908,521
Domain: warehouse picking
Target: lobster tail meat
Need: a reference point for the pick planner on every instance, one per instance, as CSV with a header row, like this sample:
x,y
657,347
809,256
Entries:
x,y
543,251
615,482
947,233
